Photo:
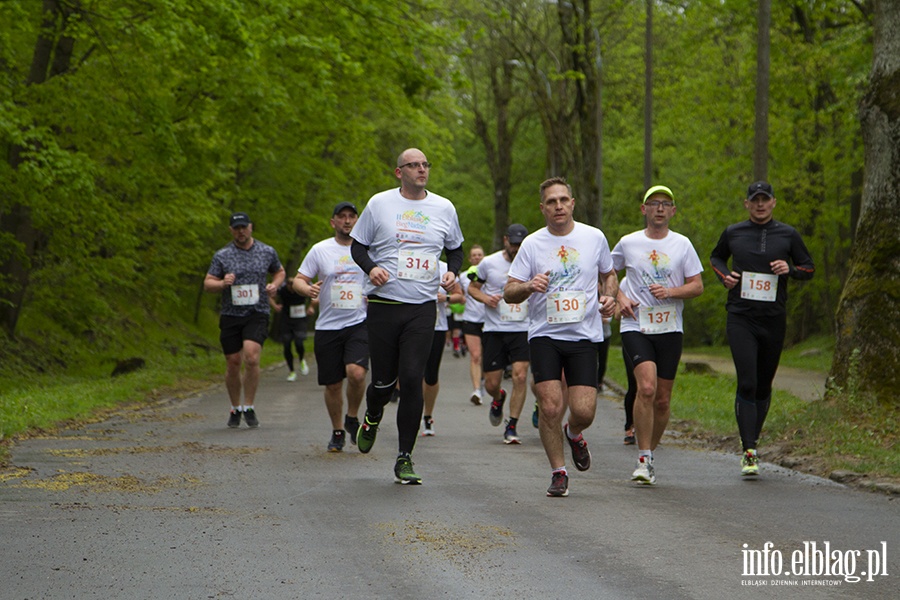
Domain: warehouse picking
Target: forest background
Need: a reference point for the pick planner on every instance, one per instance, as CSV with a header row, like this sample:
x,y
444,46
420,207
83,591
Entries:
x,y
132,128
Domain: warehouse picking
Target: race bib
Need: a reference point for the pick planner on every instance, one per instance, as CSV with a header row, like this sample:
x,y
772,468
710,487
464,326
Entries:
x,y
298,311
762,287
346,295
658,319
512,312
414,264
566,307
244,295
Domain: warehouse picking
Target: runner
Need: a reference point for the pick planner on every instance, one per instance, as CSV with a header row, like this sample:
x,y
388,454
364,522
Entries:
x,y
238,272
558,269
662,269
764,253
433,366
398,242
505,337
341,343
472,326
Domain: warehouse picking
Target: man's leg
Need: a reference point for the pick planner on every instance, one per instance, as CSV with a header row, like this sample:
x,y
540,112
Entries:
x,y
233,378
251,353
644,409
520,388
334,403
661,410
552,409
582,402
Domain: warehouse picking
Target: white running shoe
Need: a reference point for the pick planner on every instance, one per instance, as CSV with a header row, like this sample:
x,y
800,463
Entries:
x,y
475,398
304,368
292,376
644,474
428,430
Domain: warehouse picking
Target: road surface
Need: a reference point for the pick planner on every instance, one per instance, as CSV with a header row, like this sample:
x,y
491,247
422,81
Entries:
x,y
166,502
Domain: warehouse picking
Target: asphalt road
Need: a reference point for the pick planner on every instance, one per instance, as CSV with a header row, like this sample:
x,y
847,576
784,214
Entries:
x,y
166,502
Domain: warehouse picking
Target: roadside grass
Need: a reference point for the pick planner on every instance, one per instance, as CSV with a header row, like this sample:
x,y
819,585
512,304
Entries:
x,y
843,432
33,403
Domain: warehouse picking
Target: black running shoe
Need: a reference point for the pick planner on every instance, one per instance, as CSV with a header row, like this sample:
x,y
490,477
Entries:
x,y
496,414
581,456
234,419
337,441
250,418
351,426
559,486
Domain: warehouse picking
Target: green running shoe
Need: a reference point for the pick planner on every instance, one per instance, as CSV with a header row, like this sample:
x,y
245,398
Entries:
x,y
750,464
403,472
365,437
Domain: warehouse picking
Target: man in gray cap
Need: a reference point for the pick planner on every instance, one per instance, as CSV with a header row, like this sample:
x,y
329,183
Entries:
x,y
505,336
239,272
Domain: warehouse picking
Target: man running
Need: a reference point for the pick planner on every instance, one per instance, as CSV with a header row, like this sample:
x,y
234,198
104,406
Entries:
x,y
558,270
398,242
239,272
505,337
662,269
764,253
341,343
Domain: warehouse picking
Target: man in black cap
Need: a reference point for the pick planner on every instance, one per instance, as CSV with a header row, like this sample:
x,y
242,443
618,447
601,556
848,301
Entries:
x,y
764,253
505,334
239,272
341,344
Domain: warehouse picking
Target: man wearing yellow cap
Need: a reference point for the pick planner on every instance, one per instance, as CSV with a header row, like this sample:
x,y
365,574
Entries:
x,y
662,269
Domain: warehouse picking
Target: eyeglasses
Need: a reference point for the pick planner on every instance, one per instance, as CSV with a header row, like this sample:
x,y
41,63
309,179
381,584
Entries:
x,y
416,165
656,204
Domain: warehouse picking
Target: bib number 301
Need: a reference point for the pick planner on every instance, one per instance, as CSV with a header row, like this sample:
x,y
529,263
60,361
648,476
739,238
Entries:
x,y
244,295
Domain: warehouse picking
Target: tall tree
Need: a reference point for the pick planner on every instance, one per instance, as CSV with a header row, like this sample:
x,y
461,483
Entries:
x,y
868,328
648,97
761,132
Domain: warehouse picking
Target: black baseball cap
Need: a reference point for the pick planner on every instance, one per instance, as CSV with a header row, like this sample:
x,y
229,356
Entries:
x,y
760,187
239,219
516,233
342,205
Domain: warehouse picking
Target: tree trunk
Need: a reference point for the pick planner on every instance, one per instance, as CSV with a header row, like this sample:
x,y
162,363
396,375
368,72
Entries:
x,y
648,97
761,139
52,56
867,351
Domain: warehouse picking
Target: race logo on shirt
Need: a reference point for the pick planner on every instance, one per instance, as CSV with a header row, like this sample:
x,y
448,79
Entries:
x,y
657,268
345,269
565,269
411,226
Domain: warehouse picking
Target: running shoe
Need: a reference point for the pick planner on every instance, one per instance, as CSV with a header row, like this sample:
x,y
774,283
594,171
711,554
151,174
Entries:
x,y
475,398
559,485
644,474
507,372
395,395
429,427
337,441
304,368
365,437
250,418
292,376
581,456
456,353
510,436
351,426
750,464
403,472
534,416
234,418
496,414
629,439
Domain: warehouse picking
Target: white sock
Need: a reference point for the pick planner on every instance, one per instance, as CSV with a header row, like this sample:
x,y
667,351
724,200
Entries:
x,y
645,454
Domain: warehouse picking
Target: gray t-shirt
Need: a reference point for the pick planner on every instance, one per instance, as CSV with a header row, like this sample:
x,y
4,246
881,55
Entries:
x,y
251,268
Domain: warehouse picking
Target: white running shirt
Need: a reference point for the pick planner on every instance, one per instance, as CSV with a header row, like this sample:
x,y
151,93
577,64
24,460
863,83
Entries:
x,y
407,236
341,300
646,261
494,271
574,262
